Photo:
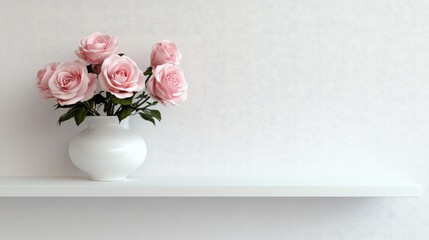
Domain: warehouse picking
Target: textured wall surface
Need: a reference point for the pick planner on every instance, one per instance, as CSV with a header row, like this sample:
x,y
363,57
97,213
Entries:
x,y
275,88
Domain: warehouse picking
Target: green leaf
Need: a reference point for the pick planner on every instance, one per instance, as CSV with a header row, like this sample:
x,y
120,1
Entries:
x,y
151,104
124,113
147,118
80,115
68,115
154,113
124,101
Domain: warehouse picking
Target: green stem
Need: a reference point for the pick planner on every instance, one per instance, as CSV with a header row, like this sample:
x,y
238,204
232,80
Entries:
x,y
144,100
111,109
110,106
147,79
88,107
150,105
117,110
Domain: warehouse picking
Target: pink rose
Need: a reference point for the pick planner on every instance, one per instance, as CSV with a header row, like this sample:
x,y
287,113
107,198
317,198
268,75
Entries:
x,y
97,47
164,52
120,76
71,83
42,79
168,84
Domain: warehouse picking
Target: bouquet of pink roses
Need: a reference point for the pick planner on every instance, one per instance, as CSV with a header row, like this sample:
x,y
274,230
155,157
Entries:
x,y
124,91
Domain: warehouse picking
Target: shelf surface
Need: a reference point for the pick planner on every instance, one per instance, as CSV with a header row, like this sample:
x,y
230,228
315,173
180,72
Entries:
x,y
210,187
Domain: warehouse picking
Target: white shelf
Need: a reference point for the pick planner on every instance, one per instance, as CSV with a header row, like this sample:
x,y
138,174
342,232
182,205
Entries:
x,y
210,187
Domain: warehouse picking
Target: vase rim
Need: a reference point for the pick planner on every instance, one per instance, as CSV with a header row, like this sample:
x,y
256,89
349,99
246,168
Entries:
x,y
103,117
94,121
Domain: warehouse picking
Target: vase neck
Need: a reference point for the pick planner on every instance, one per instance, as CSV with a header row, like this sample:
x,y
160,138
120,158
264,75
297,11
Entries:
x,y
106,121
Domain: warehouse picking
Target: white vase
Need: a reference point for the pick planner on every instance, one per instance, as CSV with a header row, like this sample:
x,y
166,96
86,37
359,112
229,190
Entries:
x,y
107,150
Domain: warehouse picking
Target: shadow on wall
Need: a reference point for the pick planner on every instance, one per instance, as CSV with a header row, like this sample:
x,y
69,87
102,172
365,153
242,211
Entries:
x,y
163,218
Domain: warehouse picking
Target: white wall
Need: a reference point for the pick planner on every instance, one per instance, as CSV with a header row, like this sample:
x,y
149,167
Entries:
x,y
276,88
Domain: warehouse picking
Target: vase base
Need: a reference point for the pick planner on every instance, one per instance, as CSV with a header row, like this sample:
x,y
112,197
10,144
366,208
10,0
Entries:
x,y
95,179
